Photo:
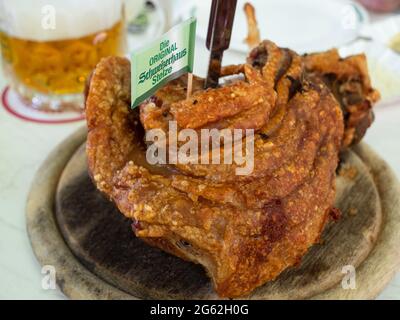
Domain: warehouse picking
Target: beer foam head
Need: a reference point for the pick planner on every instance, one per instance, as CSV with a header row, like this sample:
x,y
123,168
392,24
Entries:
x,y
48,20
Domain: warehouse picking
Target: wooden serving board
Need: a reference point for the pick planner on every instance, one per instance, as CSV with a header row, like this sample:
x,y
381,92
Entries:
x,y
96,255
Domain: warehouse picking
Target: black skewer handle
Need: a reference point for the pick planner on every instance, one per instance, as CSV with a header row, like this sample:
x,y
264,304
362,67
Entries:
x,y
219,36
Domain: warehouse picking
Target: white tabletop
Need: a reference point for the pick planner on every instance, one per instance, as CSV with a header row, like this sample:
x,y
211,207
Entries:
x,y
24,146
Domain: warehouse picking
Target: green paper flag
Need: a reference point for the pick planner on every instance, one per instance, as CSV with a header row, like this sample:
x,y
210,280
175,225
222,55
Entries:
x,y
163,60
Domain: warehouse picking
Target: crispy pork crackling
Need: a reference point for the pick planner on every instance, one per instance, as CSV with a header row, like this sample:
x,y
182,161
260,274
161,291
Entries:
x,y
244,230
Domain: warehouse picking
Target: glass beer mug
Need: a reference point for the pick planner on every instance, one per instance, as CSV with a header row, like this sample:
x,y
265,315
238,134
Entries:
x,y
49,47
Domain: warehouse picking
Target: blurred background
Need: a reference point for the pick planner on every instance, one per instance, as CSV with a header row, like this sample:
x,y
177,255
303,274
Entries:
x,y
49,47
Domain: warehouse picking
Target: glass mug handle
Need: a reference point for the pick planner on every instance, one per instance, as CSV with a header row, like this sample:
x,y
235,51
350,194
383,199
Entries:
x,y
132,9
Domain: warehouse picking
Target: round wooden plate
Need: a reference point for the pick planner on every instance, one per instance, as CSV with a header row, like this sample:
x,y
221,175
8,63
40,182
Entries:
x,y
96,255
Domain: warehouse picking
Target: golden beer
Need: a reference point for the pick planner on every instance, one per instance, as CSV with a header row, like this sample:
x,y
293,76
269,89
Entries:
x,y
55,63
61,66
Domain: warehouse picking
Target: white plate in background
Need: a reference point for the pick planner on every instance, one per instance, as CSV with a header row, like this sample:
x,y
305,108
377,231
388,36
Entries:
x,y
302,25
383,31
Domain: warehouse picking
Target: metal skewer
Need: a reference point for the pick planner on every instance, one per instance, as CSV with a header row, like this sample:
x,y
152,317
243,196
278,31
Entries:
x,y
219,37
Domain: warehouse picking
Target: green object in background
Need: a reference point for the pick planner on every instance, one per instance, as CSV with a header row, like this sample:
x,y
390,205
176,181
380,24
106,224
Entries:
x,y
165,59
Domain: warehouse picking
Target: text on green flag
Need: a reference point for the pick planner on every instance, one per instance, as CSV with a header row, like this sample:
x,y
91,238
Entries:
x,y
163,60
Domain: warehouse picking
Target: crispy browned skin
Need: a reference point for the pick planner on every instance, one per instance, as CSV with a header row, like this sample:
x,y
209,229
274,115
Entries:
x,y
245,230
253,37
349,81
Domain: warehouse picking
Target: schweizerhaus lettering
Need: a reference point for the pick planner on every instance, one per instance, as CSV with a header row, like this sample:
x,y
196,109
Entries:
x,y
167,56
